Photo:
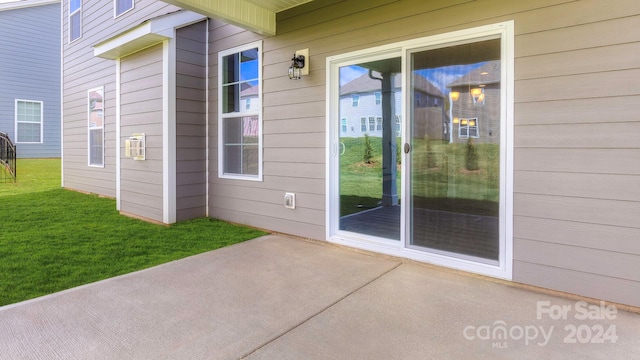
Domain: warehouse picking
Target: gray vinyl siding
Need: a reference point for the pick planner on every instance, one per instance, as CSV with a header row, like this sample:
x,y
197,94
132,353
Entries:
x,y
191,121
30,70
81,72
576,201
141,182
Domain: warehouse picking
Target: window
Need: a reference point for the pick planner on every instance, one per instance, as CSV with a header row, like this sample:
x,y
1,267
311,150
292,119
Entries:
x,y
28,121
363,124
122,6
240,127
355,99
379,123
75,20
378,96
398,125
468,128
372,123
95,126
343,125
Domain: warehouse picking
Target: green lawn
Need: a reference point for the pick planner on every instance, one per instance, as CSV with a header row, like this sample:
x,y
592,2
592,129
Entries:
x,y
53,239
439,180
34,175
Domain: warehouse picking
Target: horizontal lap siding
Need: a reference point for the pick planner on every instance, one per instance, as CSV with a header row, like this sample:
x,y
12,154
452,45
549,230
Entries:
x,y
576,127
141,112
191,122
30,70
576,170
81,72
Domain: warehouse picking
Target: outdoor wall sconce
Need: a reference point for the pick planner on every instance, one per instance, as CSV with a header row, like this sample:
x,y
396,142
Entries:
x,y
455,95
299,64
456,120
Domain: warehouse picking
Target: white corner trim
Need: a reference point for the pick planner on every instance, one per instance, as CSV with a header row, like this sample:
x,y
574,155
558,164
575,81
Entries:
x,y
118,134
147,34
169,131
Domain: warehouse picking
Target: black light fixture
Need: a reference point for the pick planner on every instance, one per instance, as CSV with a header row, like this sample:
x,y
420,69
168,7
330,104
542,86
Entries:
x,y
299,64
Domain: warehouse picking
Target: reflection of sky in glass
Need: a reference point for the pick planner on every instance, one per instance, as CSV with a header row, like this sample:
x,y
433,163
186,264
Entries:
x,y
445,75
440,76
349,73
249,70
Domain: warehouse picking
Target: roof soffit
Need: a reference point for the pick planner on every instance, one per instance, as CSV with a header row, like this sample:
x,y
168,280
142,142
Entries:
x,y
255,15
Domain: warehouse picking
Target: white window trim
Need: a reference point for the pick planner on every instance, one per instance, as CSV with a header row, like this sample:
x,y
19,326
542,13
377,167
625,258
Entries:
x,y
89,128
79,10
41,121
222,115
503,30
115,8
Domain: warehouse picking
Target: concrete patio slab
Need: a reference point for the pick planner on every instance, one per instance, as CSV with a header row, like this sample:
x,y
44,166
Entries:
x,y
285,298
416,312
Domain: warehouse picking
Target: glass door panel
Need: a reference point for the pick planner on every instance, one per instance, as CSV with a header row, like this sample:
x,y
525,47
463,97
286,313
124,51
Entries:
x,y
454,109
369,134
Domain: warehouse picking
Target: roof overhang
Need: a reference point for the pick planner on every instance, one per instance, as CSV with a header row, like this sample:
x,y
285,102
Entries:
x,y
256,15
147,34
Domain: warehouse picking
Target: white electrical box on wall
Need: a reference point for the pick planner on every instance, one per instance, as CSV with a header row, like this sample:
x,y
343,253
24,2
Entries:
x,y
134,147
290,200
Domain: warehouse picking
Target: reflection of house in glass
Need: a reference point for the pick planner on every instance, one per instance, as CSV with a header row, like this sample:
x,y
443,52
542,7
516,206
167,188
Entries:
x,y
475,99
249,102
96,108
361,107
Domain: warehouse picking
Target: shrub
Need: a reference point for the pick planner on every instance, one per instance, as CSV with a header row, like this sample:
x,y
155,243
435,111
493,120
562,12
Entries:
x,y
471,160
367,156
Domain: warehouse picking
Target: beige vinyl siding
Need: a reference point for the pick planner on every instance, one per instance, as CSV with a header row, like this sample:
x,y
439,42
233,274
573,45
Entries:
x,y
81,72
191,121
141,112
576,127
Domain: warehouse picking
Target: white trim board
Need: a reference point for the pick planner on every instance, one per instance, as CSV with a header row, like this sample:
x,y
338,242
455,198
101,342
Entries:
x,y
147,34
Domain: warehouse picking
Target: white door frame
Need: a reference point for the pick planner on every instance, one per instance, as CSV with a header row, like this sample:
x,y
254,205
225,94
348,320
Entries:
x,y
504,31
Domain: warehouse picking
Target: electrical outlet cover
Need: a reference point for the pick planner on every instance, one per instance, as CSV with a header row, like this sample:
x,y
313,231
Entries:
x,y
290,200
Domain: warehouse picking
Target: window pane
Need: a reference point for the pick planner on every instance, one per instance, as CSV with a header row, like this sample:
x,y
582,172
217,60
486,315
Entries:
x,y
95,147
249,65
123,5
74,26
230,69
241,145
28,132
74,5
455,176
230,101
96,108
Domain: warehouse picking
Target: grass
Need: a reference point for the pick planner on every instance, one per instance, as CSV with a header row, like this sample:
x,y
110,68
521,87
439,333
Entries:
x,y
55,239
34,175
439,179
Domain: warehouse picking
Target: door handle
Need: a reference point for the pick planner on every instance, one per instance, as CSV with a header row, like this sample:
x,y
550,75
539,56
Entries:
x,y
407,148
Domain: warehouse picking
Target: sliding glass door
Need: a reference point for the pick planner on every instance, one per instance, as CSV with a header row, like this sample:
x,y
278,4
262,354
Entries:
x,y
420,149
455,150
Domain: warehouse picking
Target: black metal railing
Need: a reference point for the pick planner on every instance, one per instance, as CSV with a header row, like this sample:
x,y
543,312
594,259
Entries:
x,y
7,159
